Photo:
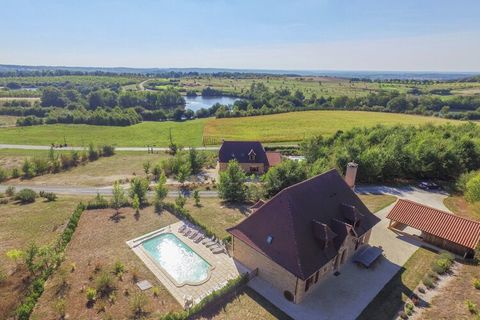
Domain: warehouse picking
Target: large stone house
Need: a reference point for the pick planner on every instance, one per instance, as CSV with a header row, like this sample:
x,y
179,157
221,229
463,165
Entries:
x,y
303,234
251,156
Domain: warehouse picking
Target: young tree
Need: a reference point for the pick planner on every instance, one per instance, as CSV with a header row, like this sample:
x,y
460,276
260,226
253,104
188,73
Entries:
x,y
180,201
197,160
232,186
118,199
146,167
161,191
139,188
136,203
196,196
183,172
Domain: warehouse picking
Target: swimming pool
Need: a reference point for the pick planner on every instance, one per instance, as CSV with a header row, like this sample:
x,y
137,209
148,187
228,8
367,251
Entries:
x,y
178,260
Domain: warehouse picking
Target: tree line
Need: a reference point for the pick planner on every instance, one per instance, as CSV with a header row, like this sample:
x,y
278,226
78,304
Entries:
x,y
260,100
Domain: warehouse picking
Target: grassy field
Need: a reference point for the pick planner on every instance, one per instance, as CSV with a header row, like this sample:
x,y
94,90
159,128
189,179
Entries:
x,y
389,300
187,133
102,172
295,126
40,222
376,202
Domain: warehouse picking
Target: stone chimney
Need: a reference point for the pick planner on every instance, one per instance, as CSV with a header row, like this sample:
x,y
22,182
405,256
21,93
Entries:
x,y
351,174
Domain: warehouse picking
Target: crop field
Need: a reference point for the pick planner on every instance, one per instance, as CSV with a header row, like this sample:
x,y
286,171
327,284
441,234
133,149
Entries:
x,y
88,80
285,127
294,127
187,133
324,86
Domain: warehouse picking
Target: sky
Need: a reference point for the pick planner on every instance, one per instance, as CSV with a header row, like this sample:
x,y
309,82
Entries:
x,y
379,35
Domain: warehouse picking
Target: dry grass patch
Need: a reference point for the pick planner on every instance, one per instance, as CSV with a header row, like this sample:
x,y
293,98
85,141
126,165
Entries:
x,y
461,207
376,202
246,304
102,172
216,214
97,244
450,301
40,222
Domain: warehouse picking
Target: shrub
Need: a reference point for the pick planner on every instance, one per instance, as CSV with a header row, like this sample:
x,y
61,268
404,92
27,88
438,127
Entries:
x,y
49,196
26,196
92,153
108,150
156,291
138,303
104,283
99,202
118,268
443,263
472,307
60,305
476,283
180,201
139,187
91,294
3,175
10,192
428,282
15,173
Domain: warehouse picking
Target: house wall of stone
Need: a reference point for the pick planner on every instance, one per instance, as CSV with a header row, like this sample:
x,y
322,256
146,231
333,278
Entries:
x,y
268,270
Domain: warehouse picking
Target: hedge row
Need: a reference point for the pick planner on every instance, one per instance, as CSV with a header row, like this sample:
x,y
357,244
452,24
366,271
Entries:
x,y
190,313
36,288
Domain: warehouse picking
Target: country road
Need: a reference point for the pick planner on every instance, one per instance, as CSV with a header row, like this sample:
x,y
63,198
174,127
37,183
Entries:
x,y
31,147
430,198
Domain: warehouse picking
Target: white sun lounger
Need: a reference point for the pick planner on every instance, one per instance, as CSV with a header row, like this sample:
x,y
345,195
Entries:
x,y
182,228
208,240
195,233
188,232
218,250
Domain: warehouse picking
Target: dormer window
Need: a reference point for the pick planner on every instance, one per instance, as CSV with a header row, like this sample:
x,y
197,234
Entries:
x,y
252,155
269,239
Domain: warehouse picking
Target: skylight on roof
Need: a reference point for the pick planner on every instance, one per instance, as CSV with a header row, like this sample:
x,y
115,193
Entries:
x,y
269,239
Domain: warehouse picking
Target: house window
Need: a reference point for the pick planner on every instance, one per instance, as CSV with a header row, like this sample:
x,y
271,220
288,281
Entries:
x,y
251,155
316,276
269,239
253,169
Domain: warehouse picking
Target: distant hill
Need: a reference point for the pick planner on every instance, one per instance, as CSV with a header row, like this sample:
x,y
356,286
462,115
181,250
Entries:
x,y
372,75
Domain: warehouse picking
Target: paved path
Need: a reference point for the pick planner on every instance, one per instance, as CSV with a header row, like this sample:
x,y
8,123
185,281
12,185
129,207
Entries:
x,y
345,296
31,147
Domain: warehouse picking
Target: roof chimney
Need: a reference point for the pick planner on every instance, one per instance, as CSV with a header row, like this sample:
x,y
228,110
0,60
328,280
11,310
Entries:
x,y
351,174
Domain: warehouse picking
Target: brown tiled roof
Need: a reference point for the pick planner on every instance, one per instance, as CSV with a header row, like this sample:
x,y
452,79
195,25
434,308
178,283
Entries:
x,y
273,158
239,150
291,217
439,223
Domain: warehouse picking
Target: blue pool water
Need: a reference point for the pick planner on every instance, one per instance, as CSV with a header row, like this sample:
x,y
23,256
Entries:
x,y
177,258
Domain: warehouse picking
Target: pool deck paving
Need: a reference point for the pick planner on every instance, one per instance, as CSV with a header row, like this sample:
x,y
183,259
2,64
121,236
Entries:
x,y
224,268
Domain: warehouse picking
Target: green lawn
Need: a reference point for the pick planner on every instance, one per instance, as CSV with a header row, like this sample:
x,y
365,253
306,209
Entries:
x,y
187,133
294,126
390,299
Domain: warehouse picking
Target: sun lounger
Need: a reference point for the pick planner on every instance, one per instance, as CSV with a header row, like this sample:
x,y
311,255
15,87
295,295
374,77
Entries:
x,y
218,250
188,232
208,240
196,237
195,233
199,238
182,228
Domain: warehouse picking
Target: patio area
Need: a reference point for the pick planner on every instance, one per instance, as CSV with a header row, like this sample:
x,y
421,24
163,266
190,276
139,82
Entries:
x,y
222,267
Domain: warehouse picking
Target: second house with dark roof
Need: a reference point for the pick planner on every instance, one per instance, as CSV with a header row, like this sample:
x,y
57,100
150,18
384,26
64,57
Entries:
x,y
251,156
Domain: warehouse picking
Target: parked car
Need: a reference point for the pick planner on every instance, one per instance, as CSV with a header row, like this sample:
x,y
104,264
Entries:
x,y
428,185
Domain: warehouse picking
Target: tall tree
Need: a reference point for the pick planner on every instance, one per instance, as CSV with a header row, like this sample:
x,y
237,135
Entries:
x,y
232,185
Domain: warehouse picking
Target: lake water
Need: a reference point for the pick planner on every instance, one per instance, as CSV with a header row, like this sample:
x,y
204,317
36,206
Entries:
x,y
198,102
